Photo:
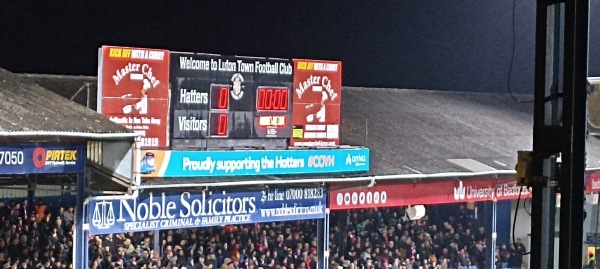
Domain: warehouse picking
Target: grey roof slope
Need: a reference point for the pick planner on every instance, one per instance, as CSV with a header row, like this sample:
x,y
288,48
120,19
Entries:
x,y
418,131
68,86
27,107
411,131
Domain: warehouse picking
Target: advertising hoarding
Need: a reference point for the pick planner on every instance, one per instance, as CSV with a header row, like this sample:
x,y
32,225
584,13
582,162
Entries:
x,y
215,96
42,158
426,192
133,91
592,181
180,163
317,100
159,210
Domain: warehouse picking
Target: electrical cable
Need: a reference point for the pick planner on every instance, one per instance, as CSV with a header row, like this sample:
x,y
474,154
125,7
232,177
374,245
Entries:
x,y
512,58
514,224
526,201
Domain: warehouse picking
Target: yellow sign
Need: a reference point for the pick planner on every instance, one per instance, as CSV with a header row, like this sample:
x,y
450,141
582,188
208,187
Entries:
x,y
61,155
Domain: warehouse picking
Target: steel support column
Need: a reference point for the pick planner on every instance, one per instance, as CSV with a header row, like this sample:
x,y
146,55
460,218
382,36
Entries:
x,y
546,118
574,107
86,213
80,244
490,250
30,196
559,128
157,243
327,228
320,243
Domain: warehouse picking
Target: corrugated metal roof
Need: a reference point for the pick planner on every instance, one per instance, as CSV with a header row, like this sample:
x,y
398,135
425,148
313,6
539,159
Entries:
x,y
416,131
28,107
71,87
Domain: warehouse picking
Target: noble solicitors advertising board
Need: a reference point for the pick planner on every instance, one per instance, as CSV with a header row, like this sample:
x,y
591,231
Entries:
x,y
317,100
159,210
133,90
215,96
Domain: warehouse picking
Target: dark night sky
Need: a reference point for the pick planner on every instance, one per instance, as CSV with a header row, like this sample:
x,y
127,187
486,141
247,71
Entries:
x,y
444,45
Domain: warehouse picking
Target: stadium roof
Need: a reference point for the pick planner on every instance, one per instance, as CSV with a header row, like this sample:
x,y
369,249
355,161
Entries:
x,y
27,110
409,131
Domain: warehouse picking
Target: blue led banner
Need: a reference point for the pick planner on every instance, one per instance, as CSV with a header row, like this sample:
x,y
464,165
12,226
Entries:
x,y
42,158
179,163
158,211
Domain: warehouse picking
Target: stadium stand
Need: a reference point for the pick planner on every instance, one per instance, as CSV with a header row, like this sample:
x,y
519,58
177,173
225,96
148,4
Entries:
x,y
34,237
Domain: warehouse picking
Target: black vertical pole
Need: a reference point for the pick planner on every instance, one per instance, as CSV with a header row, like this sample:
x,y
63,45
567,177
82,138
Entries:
x,y
80,246
573,167
490,248
30,196
320,243
86,208
538,129
559,131
342,222
546,121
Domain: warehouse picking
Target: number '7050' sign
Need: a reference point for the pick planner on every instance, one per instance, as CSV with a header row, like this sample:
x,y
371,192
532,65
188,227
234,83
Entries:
x,y
11,157
42,158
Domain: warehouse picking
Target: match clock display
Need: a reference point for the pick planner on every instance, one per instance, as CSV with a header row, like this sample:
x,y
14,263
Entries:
x,y
227,97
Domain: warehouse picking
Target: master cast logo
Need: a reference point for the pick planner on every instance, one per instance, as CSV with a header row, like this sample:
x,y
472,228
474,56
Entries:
x,y
237,92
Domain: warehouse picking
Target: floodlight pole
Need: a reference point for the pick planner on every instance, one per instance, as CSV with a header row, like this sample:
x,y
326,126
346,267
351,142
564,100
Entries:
x,y
559,128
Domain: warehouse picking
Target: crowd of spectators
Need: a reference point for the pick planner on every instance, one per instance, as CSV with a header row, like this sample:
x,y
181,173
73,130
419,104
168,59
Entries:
x,y
386,238
33,237
287,245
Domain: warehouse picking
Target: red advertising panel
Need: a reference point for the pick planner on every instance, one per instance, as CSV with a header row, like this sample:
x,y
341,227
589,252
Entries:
x,y
425,193
316,103
592,181
133,90
436,192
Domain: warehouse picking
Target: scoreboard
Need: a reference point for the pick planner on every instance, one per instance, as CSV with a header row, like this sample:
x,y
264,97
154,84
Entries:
x,y
229,101
184,100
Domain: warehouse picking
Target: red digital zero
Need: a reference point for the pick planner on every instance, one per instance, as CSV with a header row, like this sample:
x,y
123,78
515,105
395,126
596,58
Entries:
x,y
219,124
219,97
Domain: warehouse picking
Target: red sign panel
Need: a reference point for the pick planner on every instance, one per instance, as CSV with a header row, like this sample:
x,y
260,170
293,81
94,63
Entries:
x,y
133,90
428,192
436,192
592,181
316,103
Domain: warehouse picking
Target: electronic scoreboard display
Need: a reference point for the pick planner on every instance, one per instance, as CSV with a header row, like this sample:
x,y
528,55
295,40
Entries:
x,y
229,101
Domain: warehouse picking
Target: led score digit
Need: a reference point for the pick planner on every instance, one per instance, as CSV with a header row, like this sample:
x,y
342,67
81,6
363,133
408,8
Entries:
x,y
272,99
219,101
